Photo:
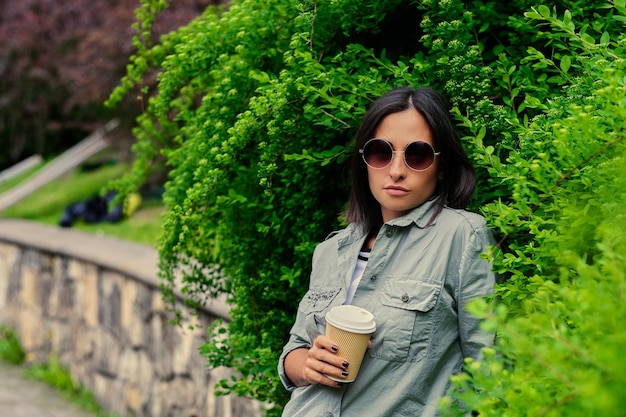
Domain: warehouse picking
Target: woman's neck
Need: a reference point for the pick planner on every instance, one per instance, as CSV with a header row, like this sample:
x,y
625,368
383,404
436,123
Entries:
x,y
371,238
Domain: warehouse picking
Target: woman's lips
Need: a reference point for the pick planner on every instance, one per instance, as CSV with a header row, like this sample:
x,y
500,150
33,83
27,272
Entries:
x,y
396,191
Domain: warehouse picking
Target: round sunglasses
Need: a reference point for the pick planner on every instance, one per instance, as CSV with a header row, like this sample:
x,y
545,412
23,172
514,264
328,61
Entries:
x,y
418,155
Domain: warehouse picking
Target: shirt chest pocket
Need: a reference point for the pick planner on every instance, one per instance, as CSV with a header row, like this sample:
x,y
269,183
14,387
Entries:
x,y
314,306
408,313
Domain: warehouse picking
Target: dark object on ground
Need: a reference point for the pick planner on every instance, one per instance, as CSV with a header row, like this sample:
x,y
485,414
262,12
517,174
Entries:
x,y
93,210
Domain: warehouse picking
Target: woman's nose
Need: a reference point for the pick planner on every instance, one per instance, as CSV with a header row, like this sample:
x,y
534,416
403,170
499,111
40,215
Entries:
x,y
397,167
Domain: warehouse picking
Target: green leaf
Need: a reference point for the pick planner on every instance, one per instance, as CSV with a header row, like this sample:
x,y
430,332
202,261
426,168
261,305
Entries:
x,y
588,38
481,133
532,15
605,39
544,11
620,18
565,64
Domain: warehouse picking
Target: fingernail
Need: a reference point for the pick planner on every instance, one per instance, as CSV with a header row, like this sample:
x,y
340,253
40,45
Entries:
x,y
344,364
334,348
344,373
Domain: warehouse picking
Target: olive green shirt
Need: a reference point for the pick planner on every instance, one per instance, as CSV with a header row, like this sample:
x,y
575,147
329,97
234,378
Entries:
x,y
416,283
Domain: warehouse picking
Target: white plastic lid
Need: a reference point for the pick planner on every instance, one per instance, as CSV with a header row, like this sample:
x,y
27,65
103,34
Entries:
x,y
351,318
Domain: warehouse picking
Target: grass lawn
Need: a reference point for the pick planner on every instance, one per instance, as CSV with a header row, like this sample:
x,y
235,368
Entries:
x,y
47,204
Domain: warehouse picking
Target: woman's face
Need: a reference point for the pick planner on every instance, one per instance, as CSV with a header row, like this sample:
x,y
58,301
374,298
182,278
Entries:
x,y
397,187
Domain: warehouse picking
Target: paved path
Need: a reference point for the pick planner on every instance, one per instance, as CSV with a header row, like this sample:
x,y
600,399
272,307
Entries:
x,y
21,397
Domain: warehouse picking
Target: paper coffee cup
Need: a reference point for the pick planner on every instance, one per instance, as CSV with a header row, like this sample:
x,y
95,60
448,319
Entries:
x,y
350,327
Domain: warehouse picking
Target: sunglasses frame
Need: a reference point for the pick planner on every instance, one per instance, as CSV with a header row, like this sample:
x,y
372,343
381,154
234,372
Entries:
x,y
362,152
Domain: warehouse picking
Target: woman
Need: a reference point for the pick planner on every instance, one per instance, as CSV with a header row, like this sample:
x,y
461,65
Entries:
x,y
411,255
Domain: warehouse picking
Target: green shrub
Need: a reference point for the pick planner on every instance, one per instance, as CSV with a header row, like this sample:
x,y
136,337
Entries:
x,y
255,113
559,322
56,376
10,347
52,373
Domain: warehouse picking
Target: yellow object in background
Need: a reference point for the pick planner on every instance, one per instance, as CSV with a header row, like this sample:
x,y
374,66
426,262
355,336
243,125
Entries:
x,y
131,203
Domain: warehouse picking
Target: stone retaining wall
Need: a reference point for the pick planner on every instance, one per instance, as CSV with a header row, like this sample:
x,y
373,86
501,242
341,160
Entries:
x,y
94,303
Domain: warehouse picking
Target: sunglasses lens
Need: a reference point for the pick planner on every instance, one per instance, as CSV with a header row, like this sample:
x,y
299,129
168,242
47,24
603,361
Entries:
x,y
419,155
377,153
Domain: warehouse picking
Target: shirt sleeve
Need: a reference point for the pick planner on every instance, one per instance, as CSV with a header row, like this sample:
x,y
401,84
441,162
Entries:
x,y
299,337
310,321
289,386
476,280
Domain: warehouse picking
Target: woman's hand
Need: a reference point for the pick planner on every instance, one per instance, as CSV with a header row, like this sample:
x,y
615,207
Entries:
x,y
322,361
310,366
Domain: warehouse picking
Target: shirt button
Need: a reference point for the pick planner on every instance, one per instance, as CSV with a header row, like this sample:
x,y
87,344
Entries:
x,y
373,277
388,233
405,298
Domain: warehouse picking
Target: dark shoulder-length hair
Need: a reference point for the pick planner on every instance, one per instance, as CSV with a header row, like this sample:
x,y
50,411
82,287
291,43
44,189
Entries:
x,y
457,178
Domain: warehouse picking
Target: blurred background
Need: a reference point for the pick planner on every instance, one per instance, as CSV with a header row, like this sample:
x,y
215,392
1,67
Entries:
x,y
59,61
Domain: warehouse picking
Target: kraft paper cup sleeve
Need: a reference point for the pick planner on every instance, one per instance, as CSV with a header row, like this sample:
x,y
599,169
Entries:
x,y
351,328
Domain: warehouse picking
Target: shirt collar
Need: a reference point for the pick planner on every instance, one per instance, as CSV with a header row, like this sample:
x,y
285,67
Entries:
x,y
420,215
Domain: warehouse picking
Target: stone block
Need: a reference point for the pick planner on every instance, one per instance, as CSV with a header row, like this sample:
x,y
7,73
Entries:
x,y
177,395
9,256
31,331
30,296
83,342
136,311
135,367
158,304
62,297
107,350
87,298
108,391
60,337
110,287
133,399
160,345
183,350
